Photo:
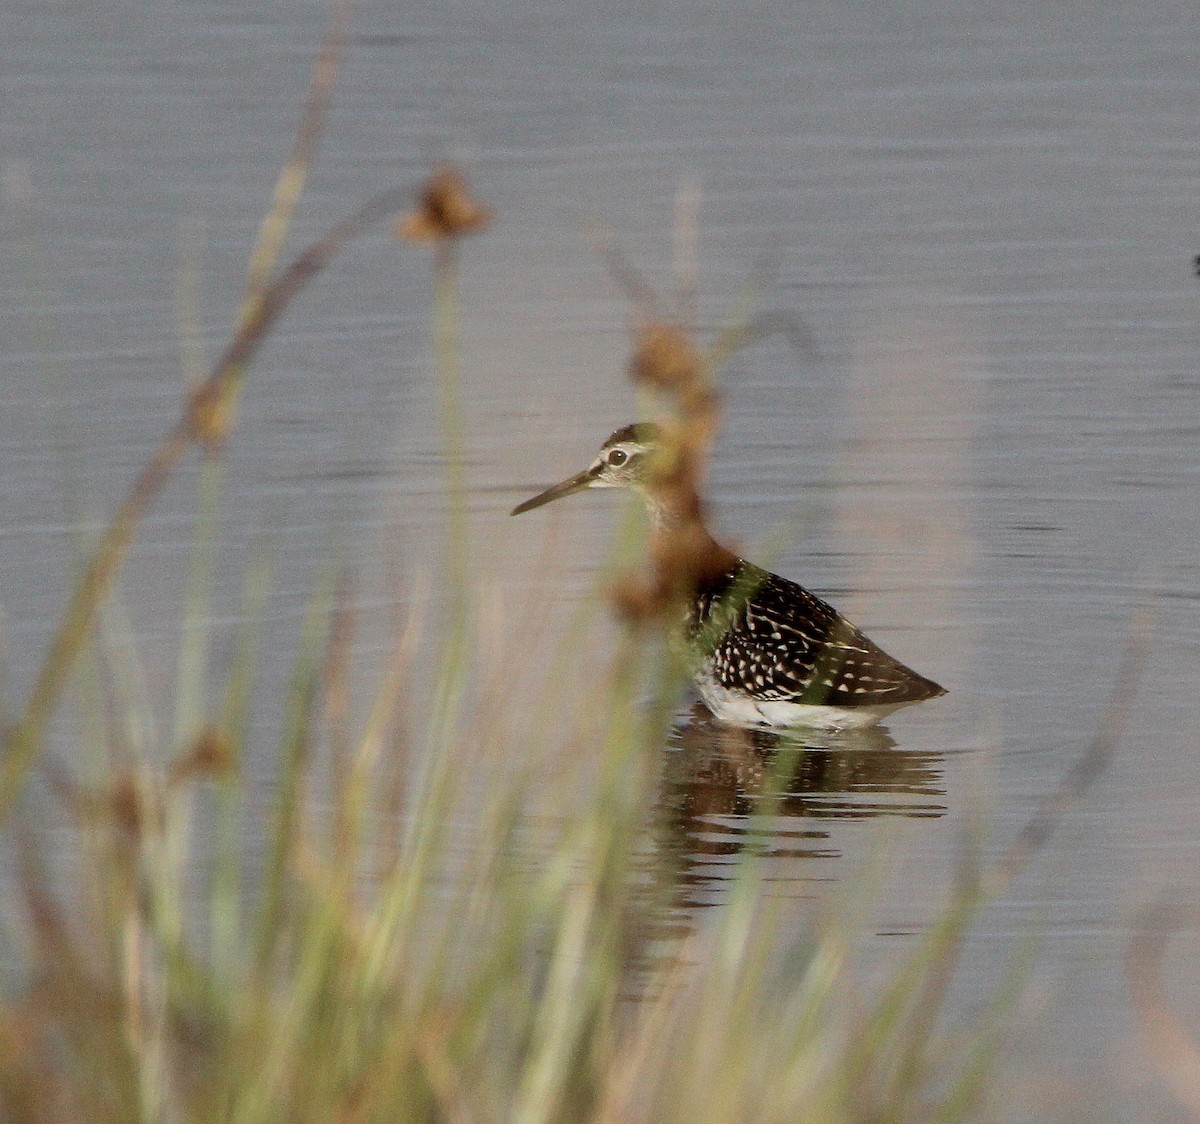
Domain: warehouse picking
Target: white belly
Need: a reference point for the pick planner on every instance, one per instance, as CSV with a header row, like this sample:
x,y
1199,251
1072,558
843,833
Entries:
x,y
729,706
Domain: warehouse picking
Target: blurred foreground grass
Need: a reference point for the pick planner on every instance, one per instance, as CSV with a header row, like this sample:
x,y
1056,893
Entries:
x,y
364,971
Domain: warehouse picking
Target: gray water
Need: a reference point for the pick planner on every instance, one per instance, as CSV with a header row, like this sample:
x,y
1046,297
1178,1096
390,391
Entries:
x,y
985,218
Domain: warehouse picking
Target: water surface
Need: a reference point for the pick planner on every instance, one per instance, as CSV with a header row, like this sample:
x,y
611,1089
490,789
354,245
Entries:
x,y
985,219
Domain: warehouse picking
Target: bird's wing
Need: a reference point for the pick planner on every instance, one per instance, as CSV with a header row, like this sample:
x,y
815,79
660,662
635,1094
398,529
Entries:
x,y
782,642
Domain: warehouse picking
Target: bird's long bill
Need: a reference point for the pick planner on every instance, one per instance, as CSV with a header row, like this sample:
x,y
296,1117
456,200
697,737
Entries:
x,y
567,487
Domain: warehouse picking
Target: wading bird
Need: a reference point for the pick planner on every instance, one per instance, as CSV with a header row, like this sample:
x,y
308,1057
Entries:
x,y
765,651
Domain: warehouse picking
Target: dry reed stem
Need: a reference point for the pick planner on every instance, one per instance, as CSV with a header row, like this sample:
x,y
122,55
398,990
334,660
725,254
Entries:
x,y
294,174
207,419
1089,766
1171,1046
638,292
204,420
392,787
667,362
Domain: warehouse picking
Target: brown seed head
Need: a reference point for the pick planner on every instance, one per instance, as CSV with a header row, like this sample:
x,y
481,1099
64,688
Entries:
x,y
664,357
129,808
686,556
641,601
446,209
210,755
210,415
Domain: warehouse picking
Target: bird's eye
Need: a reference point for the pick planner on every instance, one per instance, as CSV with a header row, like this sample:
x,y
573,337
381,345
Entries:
x,y
617,458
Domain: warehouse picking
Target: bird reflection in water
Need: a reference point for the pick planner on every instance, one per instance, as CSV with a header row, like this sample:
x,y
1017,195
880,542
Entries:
x,y
717,778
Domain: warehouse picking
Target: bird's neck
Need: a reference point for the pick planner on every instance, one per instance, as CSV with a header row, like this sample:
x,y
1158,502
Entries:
x,y
663,517
708,555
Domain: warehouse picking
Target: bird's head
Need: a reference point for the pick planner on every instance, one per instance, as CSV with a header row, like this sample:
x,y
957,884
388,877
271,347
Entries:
x,y
625,461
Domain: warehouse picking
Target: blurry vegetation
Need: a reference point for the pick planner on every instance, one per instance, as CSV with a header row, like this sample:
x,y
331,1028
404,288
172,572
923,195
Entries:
x,y
363,971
